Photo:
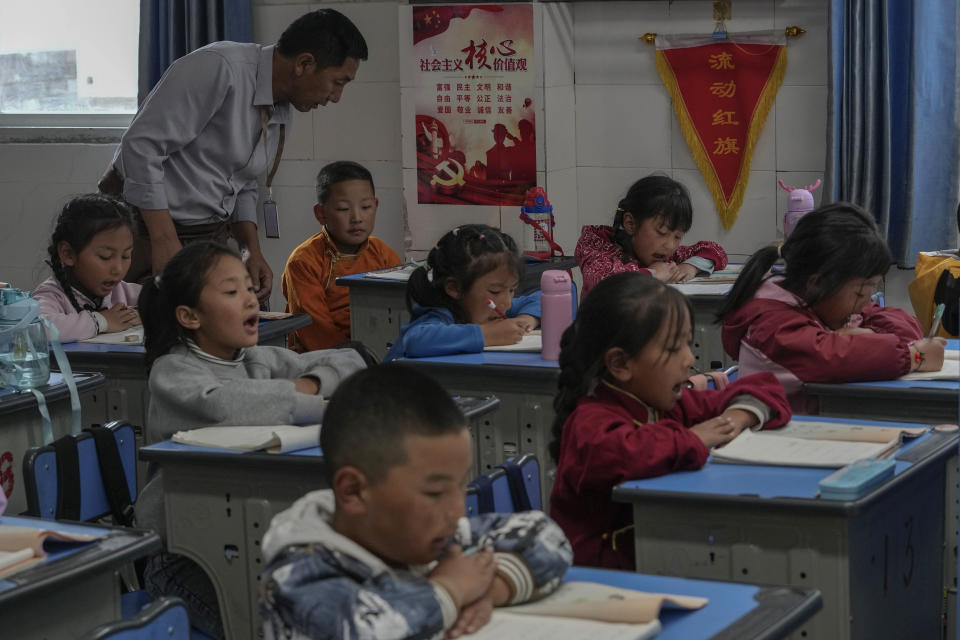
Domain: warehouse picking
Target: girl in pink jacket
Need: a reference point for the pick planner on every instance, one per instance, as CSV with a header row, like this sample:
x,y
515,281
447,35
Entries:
x,y
89,255
815,321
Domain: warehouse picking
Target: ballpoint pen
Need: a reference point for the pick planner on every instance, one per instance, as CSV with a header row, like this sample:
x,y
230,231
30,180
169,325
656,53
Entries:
x,y
937,315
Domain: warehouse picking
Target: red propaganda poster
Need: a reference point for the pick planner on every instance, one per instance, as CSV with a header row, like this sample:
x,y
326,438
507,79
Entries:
x,y
474,103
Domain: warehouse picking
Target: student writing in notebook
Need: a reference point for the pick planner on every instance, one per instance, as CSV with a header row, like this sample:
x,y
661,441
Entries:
x,y
200,324
648,226
386,552
815,321
89,255
347,209
623,411
462,300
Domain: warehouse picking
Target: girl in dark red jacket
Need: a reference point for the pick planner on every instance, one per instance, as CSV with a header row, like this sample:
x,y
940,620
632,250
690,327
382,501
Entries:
x,y
815,321
624,412
645,237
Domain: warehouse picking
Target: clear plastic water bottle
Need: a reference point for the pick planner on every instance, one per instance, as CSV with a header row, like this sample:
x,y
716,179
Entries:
x,y
556,311
24,352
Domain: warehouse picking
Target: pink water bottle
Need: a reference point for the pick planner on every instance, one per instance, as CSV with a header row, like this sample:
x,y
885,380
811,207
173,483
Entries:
x,y
556,311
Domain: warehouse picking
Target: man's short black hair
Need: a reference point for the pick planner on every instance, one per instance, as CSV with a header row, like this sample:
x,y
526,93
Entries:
x,y
374,409
340,171
328,35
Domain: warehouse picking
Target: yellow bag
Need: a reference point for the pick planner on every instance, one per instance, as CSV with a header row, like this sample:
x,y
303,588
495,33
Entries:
x,y
936,280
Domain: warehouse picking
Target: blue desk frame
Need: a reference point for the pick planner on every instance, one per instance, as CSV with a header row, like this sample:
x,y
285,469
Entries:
x,y
878,561
735,611
76,588
21,425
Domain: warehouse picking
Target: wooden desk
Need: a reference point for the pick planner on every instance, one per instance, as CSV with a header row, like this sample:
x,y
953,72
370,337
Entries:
x,y
736,611
878,561
21,426
76,588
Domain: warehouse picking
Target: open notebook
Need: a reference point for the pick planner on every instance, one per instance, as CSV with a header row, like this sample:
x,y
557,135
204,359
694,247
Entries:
x,y
272,439
401,273
812,444
531,342
585,610
21,547
949,371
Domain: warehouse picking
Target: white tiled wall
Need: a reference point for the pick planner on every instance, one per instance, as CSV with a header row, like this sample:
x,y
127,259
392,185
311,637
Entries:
x,y
604,120
626,128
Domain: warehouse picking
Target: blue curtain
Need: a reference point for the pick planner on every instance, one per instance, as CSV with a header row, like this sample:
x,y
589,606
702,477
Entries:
x,y
893,139
170,29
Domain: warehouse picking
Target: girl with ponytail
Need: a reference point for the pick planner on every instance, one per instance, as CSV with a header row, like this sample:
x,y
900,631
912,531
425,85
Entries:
x,y
645,237
623,410
814,321
462,300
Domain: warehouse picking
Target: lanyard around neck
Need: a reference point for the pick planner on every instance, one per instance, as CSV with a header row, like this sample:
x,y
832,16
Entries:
x,y
276,161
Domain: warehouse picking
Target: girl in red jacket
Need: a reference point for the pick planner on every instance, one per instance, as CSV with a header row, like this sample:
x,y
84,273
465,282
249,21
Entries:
x,y
624,412
645,237
815,321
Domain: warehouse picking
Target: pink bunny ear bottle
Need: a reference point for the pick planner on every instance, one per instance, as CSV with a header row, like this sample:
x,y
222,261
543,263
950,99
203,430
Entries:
x,y
799,203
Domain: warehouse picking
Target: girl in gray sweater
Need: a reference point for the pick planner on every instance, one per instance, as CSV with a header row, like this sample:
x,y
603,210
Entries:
x,y
201,327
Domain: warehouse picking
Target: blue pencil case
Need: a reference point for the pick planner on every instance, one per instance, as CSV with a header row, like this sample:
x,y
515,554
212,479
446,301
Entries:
x,y
856,479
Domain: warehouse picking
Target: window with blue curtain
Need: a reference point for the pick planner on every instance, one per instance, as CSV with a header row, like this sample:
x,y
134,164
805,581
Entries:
x,y
893,142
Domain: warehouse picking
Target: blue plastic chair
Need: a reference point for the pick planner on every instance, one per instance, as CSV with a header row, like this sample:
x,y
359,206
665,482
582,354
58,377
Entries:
x,y
524,478
164,619
40,475
490,493
473,501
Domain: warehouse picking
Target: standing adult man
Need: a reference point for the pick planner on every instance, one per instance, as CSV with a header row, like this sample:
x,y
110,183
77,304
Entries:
x,y
214,124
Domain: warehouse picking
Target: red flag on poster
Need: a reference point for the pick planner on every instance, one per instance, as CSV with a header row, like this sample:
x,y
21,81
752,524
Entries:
x,y
432,20
722,91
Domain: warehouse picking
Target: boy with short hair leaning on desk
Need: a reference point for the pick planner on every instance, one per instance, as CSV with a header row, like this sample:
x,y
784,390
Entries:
x,y
387,552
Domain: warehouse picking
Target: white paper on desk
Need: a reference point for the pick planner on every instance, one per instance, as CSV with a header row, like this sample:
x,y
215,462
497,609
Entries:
x,y
272,439
595,601
951,354
949,371
504,625
702,288
758,447
132,336
21,547
530,342
399,273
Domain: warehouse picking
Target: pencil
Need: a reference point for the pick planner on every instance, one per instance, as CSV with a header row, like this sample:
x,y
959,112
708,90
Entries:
x,y
493,305
937,315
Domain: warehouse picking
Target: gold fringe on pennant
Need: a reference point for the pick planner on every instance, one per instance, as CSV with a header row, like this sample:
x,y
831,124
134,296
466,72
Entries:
x,y
727,209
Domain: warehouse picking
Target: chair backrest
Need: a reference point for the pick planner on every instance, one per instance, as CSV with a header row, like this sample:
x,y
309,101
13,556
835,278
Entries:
x,y
490,493
473,501
524,477
164,619
41,484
